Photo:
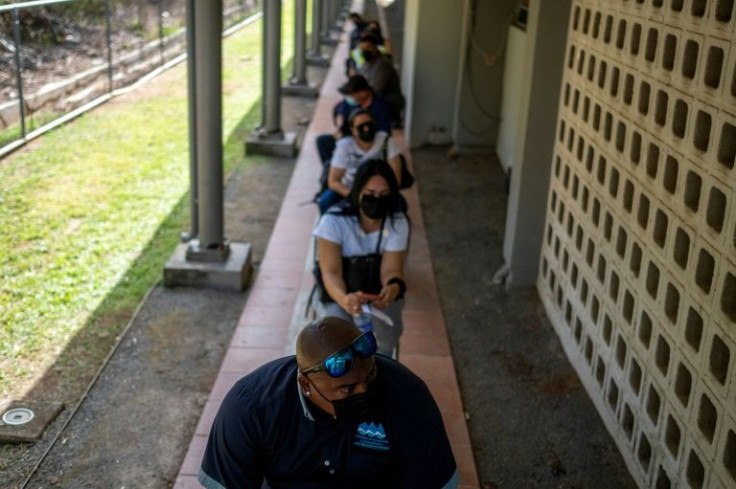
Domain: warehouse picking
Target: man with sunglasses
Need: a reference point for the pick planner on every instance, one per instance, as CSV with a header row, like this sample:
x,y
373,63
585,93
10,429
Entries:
x,y
334,416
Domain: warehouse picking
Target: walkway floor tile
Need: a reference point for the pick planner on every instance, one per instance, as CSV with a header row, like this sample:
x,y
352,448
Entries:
x,y
246,360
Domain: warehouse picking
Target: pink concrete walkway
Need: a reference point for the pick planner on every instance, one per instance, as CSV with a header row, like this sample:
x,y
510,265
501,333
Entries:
x,y
263,329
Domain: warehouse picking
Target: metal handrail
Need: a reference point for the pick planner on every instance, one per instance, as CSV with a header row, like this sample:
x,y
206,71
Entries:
x,y
36,3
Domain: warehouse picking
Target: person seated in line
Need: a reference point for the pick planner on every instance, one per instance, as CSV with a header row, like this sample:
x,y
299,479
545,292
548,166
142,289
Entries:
x,y
361,247
374,28
359,24
365,143
355,57
384,44
356,93
333,416
381,75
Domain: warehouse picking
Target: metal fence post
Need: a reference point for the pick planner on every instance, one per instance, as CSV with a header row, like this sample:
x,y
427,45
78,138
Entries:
x,y
108,34
18,75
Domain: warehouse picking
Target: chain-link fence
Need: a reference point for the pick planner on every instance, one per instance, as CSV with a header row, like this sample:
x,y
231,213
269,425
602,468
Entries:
x,y
59,57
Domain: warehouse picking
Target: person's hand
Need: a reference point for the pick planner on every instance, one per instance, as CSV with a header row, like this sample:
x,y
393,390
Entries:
x,y
351,303
387,296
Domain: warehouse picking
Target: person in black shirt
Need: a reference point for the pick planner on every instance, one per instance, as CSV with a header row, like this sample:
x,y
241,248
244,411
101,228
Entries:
x,y
333,416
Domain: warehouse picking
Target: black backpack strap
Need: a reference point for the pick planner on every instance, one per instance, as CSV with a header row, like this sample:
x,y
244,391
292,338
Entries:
x,y
380,236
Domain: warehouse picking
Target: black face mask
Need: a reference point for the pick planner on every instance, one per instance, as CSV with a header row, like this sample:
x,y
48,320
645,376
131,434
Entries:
x,y
367,132
375,207
354,408
368,55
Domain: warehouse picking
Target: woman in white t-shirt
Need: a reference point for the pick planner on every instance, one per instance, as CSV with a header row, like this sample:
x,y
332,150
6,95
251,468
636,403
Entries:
x,y
361,249
364,143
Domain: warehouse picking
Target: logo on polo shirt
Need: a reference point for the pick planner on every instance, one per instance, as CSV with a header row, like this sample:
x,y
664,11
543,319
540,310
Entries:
x,y
371,436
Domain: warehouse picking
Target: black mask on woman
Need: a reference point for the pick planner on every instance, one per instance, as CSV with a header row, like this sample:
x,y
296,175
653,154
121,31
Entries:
x,y
375,207
367,132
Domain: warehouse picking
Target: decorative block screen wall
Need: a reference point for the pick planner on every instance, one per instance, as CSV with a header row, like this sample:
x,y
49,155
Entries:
x,y
638,268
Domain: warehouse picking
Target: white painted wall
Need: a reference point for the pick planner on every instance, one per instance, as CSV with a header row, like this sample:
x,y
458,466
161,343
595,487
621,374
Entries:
x,y
432,41
480,78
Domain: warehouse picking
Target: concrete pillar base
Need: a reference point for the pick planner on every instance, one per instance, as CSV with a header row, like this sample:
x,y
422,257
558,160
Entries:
x,y
317,60
231,274
279,144
300,89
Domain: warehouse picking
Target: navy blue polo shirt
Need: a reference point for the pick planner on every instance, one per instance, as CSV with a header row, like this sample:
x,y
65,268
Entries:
x,y
379,110
265,428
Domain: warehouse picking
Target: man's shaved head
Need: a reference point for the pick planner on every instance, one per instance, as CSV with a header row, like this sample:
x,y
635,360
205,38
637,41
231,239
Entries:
x,y
323,337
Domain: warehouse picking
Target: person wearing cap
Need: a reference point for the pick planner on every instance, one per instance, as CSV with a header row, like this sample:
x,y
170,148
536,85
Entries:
x,y
356,93
381,75
364,143
335,415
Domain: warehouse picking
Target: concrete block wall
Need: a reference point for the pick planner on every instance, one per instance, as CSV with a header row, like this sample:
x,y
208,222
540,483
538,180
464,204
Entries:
x,y
638,267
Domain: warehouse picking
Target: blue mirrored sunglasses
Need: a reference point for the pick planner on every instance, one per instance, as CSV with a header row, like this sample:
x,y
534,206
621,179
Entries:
x,y
341,362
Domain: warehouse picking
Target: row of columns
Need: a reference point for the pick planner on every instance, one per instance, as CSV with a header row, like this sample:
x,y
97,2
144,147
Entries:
x,y
206,258
269,138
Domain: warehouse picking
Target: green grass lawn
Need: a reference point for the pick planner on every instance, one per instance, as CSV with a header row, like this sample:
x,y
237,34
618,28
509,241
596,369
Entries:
x,y
91,212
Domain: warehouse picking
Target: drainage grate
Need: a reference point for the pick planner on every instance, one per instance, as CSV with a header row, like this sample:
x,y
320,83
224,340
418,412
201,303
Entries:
x,y
18,416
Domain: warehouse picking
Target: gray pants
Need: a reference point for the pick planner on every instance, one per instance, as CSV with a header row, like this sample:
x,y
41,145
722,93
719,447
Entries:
x,y
387,336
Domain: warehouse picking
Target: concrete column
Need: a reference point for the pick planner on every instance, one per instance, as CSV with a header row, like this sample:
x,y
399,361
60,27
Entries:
x,y
325,33
208,106
268,138
335,23
271,95
540,93
192,87
209,260
298,84
314,56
